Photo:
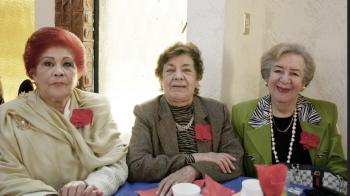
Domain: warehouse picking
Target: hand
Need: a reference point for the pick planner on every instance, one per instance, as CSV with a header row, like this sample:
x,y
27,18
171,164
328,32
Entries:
x,y
223,160
79,188
185,174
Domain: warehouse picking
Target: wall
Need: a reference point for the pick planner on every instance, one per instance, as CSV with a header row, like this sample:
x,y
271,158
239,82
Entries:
x,y
206,29
44,13
20,18
17,22
319,25
241,76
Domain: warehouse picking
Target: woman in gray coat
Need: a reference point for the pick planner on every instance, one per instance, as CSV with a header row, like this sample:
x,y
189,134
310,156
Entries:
x,y
180,136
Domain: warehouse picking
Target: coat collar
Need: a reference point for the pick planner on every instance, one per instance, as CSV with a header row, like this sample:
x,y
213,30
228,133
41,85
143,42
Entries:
x,y
200,112
306,112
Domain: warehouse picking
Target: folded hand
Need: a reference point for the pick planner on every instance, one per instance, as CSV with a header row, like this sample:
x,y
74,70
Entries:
x,y
185,174
223,160
79,188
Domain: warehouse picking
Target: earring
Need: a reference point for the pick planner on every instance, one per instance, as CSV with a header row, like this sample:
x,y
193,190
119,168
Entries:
x,y
303,88
266,84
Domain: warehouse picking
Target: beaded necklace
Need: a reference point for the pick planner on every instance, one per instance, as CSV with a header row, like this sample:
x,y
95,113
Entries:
x,y
185,127
291,140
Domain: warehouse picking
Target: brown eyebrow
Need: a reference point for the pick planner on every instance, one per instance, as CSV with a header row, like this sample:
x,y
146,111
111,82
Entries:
x,y
172,65
298,70
52,58
278,66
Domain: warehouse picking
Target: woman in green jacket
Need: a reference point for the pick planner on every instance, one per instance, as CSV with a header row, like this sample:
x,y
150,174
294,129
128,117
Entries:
x,y
284,126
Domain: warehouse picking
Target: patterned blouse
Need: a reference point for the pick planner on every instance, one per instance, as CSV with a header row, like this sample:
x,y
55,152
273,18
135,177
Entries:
x,y
185,138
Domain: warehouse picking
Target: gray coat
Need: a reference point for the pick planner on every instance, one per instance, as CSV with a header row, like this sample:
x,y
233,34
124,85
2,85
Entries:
x,y
153,149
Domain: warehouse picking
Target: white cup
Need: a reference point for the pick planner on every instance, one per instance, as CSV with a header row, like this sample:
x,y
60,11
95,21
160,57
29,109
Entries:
x,y
186,189
251,187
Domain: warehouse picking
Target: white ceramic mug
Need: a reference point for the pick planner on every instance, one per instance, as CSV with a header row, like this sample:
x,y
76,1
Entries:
x,y
251,187
186,189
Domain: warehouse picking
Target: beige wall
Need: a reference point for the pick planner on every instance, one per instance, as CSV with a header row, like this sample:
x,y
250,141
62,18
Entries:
x,y
205,28
241,52
319,25
44,13
20,18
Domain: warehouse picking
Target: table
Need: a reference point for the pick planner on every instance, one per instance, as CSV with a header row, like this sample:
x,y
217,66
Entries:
x,y
128,188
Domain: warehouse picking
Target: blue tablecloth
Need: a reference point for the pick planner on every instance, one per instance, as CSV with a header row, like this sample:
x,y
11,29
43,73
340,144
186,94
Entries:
x,y
128,189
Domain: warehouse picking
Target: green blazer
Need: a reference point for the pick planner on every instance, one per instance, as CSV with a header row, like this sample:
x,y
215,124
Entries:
x,y
256,141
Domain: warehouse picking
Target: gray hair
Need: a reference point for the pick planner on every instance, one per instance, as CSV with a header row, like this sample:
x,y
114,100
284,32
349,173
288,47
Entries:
x,y
272,55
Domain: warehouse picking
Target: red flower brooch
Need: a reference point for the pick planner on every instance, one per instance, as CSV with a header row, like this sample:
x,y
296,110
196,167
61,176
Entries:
x,y
203,132
81,117
309,140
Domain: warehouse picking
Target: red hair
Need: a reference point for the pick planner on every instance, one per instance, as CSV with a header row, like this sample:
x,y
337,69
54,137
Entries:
x,y
48,37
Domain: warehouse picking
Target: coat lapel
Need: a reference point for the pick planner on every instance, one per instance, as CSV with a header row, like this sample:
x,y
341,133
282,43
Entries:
x,y
260,139
315,129
201,117
167,129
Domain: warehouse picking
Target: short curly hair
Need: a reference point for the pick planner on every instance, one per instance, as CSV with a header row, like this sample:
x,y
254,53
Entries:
x,y
178,49
47,37
273,54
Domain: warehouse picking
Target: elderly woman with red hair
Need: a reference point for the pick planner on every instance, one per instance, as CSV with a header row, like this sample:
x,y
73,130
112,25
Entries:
x,y
58,140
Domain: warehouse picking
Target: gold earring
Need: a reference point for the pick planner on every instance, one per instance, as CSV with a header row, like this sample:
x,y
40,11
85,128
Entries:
x,y
266,84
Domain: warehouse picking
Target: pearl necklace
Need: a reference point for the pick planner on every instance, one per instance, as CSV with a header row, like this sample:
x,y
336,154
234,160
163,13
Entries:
x,y
291,140
184,127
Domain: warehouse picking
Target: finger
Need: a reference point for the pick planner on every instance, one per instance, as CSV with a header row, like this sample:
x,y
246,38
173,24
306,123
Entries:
x,y
64,191
59,192
222,167
230,163
160,185
170,193
232,166
166,187
226,165
99,193
233,159
80,189
72,190
96,193
88,190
